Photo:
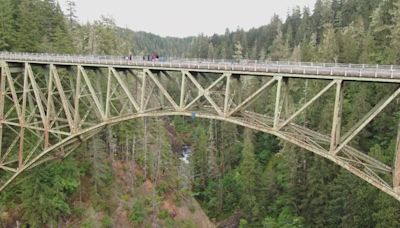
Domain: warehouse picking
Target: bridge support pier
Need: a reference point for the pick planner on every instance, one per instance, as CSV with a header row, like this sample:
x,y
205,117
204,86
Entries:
x,y
282,100
337,116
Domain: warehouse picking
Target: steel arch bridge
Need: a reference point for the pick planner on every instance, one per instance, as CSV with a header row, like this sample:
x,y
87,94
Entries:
x,y
50,104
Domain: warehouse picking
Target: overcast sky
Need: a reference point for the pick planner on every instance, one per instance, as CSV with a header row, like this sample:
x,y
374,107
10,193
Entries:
x,y
186,17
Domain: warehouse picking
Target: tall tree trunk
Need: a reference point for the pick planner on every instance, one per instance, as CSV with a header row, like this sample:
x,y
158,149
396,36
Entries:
x,y
132,163
145,147
109,143
155,179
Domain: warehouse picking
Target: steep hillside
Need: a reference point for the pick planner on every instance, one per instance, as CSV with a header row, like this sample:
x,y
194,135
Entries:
x,y
141,205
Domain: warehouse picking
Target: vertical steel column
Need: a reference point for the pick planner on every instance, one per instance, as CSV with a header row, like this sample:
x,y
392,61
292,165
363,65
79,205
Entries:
x,y
183,92
278,102
337,116
162,93
108,93
2,100
142,95
227,94
77,98
98,88
48,108
285,99
396,171
22,119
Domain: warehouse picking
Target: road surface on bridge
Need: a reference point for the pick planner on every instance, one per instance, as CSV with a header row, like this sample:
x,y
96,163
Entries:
x,y
361,72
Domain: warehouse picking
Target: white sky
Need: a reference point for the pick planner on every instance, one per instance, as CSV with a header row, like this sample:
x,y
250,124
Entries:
x,y
182,18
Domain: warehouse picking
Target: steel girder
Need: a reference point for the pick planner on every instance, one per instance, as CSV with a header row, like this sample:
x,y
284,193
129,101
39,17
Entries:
x,y
48,110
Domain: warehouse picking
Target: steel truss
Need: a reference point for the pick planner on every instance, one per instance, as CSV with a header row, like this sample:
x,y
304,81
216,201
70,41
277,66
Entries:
x,y
47,110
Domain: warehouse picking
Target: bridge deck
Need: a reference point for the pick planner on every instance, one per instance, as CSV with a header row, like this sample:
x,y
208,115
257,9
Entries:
x,y
361,72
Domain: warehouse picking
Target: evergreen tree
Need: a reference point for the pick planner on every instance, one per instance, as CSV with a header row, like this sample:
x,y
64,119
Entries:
x,y
380,31
238,52
200,160
28,36
45,193
7,29
211,51
329,49
279,49
368,49
309,49
395,38
296,54
254,51
212,153
349,46
71,12
248,177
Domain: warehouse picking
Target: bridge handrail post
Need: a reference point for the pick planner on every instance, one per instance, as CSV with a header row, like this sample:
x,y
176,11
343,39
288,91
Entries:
x,y
391,69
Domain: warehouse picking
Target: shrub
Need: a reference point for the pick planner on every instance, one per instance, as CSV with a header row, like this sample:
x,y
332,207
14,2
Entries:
x,y
107,222
139,211
163,214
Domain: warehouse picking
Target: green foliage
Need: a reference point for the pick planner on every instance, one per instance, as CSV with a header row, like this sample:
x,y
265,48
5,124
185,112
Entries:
x,y
185,224
43,194
248,177
238,51
139,211
329,48
279,49
107,222
285,219
7,26
243,223
199,159
163,214
87,224
395,41
40,26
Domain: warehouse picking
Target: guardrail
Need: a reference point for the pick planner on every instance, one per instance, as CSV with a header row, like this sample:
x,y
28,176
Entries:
x,y
245,65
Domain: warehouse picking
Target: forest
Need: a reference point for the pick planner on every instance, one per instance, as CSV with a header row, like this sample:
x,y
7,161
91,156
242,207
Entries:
x,y
238,177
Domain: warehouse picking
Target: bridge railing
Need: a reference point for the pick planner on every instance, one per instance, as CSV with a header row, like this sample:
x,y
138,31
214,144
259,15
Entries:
x,y
290,67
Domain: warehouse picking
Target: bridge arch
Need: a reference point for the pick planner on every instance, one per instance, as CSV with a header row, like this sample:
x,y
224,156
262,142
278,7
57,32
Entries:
x,y
76,139
52,113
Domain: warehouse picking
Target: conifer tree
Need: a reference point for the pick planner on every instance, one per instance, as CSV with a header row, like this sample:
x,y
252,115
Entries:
x,y
200,160
211,51
238,54
329,49
7,29
248,177
349,46
28,36
71,11
279,49
212,152
395,38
